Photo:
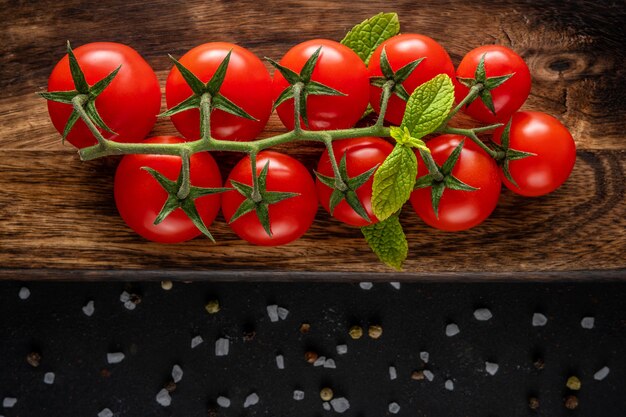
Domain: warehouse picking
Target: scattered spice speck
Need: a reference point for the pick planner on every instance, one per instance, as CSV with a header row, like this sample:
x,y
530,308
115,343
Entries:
x,y
539,320
105,413
452,329
601,374
588,323
491,368
356,332
196,341
48,378
305,328
163,398
33,359
326,394
115,357
223,402
212,307
310,357
393,374
449,385
170,386
375,331
366,285
539,363
533,403
167,285
394,408
571,402
340,405
177,373
251,400
573,383
280,361
298,395
89,309
482,314
222,346
24,293
417,375
342,349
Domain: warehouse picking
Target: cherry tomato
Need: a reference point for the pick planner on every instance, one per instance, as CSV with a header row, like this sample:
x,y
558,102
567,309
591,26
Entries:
x,y
509,96
129,105
553,145
362,154
337,67
401,50
459,210
289,218
247,84
139,197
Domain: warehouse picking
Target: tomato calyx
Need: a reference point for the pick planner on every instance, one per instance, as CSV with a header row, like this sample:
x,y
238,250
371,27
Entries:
x,y
344,188
83,98
302,85
181,194
258,198
505,154
206,95
440,177
485,84
394,78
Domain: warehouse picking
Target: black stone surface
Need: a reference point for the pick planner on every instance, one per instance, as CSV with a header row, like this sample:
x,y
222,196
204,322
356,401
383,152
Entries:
x,y
157,335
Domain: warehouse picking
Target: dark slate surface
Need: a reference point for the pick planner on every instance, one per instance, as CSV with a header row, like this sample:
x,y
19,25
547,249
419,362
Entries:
x,y
157,335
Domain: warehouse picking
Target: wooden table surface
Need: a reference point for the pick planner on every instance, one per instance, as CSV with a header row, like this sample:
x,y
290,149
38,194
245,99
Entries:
x,y
57,215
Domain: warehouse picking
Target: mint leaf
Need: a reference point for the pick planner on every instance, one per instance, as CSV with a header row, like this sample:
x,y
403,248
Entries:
x,y
394,181
365,37
387,240
429,106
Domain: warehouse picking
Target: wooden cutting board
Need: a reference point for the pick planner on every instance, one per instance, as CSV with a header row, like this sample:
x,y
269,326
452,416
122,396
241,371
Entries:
x,y
57,215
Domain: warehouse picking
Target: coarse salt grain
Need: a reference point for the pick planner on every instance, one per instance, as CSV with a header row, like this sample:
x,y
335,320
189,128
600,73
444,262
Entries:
x,y
196,341
588,322
330,363
115,357
482,314
48,378
452,329
320,361
393,374
395,285
223,402
449,385
177,373
601,374
272,312
282,313
326,405
129,305
424,356
394,408
280,361
88,309
164,398
298,395
429,375
491,368
340,405
342,349
9,402
24,293
124,296
105,413
366,285
251,400
222,346
539,320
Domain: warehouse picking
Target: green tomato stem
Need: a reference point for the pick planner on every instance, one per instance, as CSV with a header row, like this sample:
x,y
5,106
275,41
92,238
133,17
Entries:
x,y
78,102
185,184
297,96
339,183
387,87
205,117
256,193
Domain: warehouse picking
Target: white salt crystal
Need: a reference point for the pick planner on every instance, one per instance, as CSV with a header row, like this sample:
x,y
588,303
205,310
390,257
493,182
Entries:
x,y
395,285
196,341
251,400
115,357
9,402
491,368
601,374
88,308
223,402
394,408
298,395
326,405
340,405
130,305
366,285
449,385
24,293
330,363
320,361
282,313
272,312
280,361
222,346
429,375
48,378
125,296
452,329
539,320
424,356
482,314
342,349
163,398
105,413
588,322
393,374
177,373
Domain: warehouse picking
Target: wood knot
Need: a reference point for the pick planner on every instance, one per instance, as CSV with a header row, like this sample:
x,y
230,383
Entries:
x,y
565,66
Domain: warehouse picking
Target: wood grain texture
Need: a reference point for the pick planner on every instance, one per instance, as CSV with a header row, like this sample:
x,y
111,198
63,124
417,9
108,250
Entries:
x,y
58,219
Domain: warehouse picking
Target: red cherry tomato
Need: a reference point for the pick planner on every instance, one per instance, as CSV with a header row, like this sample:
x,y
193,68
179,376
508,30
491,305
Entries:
x,y
129,105
337,67
509,96
139,197
402,50
290,218
247,84
553,145
459,210
362,154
